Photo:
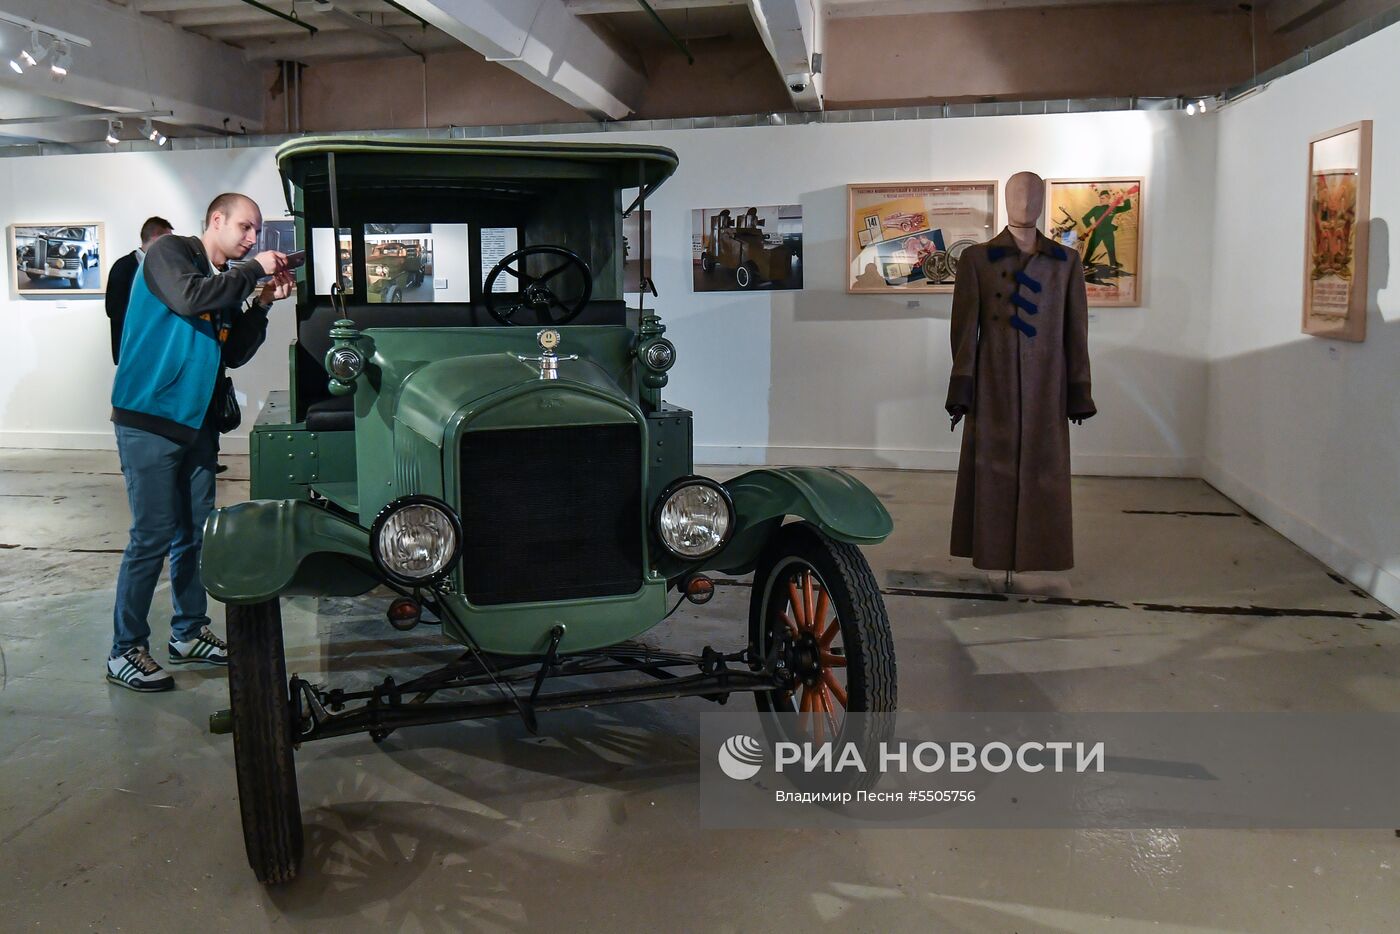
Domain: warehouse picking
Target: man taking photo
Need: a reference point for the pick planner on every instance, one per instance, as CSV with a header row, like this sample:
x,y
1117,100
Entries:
x,y
183,321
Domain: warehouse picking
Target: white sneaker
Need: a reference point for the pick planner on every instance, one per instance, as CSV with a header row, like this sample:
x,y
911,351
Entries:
x,y
205,647
137,671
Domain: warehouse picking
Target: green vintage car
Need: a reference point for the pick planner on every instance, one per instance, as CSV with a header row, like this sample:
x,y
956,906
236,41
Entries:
x,y
505,467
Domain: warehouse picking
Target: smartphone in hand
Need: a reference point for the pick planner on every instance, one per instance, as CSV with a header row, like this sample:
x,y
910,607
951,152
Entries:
x,y
296,259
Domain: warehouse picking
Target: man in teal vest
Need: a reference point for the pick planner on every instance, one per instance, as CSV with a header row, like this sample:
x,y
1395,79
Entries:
x,y
1102,229
185,319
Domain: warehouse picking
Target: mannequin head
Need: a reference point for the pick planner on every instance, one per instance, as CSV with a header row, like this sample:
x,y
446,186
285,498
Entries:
x,y
1025,196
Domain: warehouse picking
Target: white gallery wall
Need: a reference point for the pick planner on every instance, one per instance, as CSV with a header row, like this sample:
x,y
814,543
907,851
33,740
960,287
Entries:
x,y
1303,432
816,376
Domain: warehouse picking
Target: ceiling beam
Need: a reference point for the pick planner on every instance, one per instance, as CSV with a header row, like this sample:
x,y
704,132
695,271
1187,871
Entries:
x,y
594,7
847,9
1283,15
140,63
789,30
329,45
543,42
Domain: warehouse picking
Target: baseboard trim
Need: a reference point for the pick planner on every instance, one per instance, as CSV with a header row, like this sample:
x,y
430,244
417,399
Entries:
x,y
1364,573
1108,465
94,441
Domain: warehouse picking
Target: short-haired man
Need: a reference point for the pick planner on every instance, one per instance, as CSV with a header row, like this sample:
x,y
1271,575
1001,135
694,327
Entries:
x,y
123,272
183,321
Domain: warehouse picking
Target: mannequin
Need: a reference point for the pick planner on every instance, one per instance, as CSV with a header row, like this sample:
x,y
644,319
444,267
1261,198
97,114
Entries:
x,y
1020,376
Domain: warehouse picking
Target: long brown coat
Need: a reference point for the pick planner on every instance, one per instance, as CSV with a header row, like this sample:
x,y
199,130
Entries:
x,y
1020,373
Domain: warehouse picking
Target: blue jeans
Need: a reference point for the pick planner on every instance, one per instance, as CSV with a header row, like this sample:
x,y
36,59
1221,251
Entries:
x,y
170,487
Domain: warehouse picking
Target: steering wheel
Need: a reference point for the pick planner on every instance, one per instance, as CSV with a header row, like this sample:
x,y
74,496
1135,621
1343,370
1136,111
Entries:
x,y
534,291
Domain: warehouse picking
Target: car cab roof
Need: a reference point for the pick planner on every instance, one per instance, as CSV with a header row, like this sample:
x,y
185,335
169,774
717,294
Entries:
x,y
497,168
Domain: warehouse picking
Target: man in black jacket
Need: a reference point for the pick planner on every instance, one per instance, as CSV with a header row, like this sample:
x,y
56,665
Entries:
x,y
123,271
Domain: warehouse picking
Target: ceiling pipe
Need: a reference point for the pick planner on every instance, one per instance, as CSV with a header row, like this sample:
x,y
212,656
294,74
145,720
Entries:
x,y
656,18
403,9
291,18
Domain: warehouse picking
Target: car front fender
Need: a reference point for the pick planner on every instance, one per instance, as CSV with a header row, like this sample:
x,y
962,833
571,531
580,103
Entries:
x,y
835,502
267,548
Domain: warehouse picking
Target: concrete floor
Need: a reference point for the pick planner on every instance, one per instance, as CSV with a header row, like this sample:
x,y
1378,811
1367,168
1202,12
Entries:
x,y
119,811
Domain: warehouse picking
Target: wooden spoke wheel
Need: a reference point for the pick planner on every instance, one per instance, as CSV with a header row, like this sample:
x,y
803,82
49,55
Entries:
x,y
817,608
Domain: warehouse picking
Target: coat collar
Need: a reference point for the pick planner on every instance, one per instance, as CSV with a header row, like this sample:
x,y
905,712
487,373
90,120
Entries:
x,y
1004,244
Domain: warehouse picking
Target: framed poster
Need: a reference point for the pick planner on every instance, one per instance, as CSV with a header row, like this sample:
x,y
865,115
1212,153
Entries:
x,y
1338,227
907,236
746,248
57,258
1102,219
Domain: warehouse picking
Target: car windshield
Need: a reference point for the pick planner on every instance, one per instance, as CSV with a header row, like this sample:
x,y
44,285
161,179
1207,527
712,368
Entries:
x,y
69,233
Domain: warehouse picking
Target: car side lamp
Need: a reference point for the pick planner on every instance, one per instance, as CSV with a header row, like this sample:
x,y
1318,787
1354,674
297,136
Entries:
x,y
345,361
657,355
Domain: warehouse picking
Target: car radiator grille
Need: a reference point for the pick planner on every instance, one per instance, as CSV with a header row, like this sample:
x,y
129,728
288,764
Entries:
x,y
551,513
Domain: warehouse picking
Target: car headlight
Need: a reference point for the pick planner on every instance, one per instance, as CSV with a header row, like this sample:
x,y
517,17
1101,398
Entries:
x,y
659,355
378,270
694,518
345,363
67,249
415,540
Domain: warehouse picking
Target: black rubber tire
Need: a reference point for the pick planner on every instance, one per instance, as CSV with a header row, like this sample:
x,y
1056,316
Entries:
x,y
262,741
394,296
865,623
707,262
746,276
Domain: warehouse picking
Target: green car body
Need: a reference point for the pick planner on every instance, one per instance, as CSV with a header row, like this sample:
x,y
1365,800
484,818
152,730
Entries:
x,y
556,481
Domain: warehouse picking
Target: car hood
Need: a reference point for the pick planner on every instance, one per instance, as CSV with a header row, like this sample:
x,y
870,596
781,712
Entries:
x,y
495,391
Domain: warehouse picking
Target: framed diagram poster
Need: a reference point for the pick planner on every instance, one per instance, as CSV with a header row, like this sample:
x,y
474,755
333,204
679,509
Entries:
x,y
907,236
1102,219
57,258
1339,209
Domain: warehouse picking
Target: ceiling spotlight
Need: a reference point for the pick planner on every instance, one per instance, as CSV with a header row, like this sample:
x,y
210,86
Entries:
x,y
31,56
1201,105
111,132
62,58
1191,109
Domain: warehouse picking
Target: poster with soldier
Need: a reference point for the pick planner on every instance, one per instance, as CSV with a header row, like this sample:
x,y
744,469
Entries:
x,y
1101,218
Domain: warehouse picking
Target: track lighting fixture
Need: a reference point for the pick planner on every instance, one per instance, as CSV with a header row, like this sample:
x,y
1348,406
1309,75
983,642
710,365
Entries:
x,y
31,56
62,59
151,133
112,127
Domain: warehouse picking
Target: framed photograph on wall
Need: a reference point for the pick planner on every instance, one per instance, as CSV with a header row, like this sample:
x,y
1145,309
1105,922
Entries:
x,y
57,258
1338,227
907,236
746,248
1102,219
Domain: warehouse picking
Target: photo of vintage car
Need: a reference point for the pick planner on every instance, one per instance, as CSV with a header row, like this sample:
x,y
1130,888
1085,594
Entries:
x,y
506,473
740,249
60,256
391,270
